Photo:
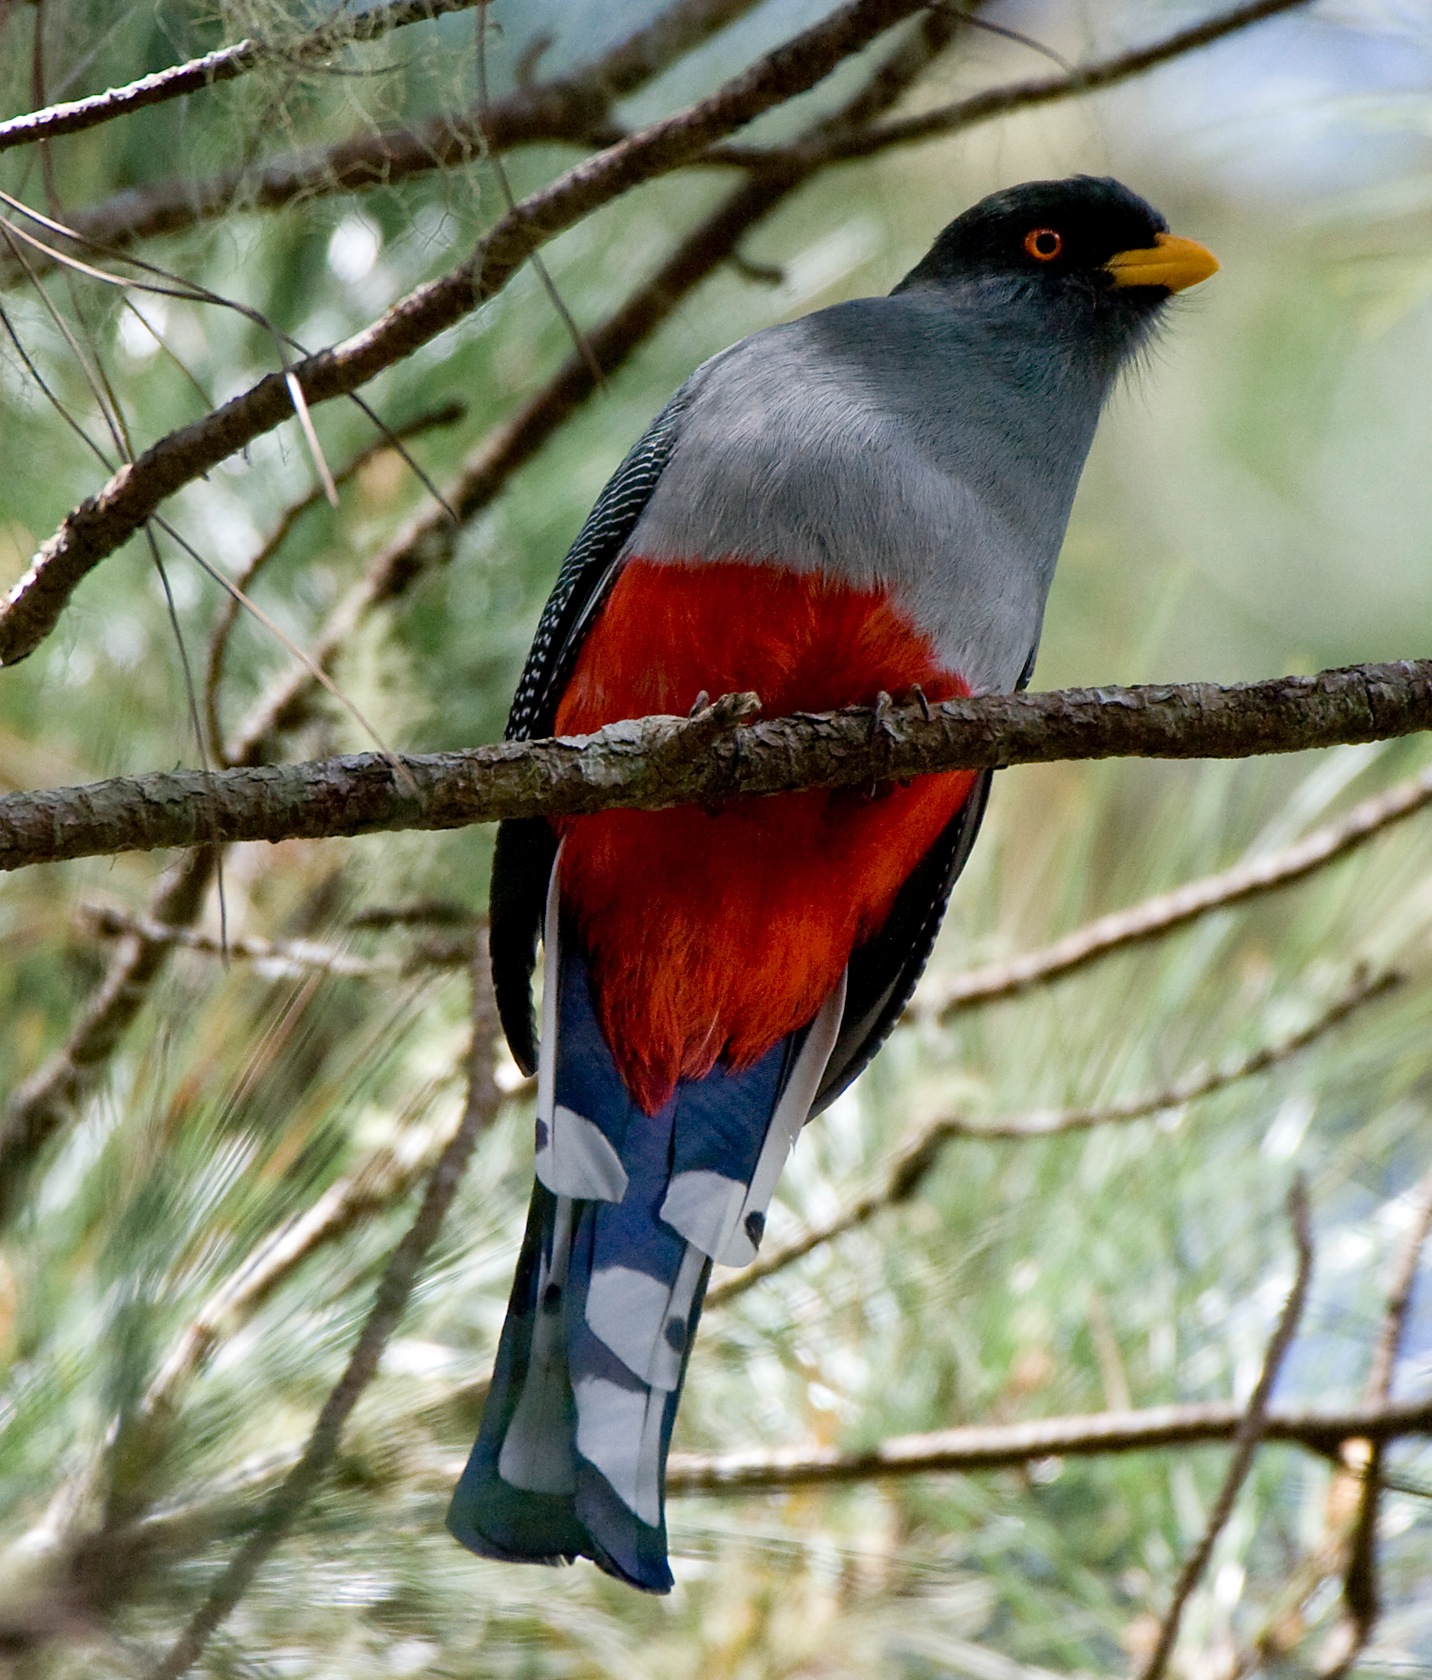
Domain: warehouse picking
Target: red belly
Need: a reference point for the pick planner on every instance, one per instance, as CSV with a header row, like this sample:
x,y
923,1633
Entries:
x,y
713,936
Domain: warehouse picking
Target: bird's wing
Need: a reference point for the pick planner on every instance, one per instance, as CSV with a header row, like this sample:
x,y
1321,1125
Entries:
x,y
525,848
883,972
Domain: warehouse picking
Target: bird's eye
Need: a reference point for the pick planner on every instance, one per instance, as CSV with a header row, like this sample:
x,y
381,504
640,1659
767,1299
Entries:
x,y
1043,244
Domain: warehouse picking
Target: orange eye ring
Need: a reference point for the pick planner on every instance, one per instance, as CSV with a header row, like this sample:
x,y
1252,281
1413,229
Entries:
x,y
1043,244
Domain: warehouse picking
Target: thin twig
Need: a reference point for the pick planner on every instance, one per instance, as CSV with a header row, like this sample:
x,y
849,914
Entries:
x,y
289,956
1363,1459
1168,911
445,414
390,1301
918,1156
221,65
38,1107
430,540
1252,1431
559,112
104,521
423,912
979,1447
721,753
983,107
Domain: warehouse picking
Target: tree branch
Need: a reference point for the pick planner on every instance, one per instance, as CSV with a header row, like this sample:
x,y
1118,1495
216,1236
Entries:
x,y
430,540
651,763
575,109
1168,911
1020,96
1249,1436
216,654
979,1447
38,1107
1362,1460
222,65
289,956
389,1303
104,521
919,1155
365,161
968,1450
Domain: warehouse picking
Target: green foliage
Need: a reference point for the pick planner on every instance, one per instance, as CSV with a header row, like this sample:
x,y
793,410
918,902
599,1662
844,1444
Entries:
x,y
1257,502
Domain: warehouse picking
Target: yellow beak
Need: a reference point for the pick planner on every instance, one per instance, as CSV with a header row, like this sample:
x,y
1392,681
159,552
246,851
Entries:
x,y
1170,262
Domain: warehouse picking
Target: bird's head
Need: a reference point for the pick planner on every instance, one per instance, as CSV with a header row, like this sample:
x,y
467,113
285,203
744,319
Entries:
x,y
1086,249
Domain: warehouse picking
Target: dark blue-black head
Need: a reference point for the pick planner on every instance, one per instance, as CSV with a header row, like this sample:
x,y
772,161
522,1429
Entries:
x,y
1087,247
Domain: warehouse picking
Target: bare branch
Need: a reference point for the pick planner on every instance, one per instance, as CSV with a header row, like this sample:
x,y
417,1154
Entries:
x,y
567,112
222,65
289,956
978,1447
1362,1460
1167,911
37,1108
651,763
1251,1432
575,109
918,1156
445,414
380,1179
1022,96
968,1450
389,1303
429,541
102,522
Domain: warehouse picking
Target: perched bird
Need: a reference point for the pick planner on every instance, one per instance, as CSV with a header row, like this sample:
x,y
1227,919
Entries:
x,y
867,501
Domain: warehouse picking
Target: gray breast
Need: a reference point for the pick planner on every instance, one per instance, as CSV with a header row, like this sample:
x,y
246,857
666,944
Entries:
x,y
895,442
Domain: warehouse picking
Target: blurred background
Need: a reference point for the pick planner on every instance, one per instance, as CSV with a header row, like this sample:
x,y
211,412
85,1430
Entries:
x,y
1258,501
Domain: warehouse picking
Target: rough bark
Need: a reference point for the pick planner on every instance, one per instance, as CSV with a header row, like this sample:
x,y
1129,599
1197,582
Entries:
x,y
650,763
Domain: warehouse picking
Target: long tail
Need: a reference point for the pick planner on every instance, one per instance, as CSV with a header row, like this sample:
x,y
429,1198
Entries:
x,y
628,1213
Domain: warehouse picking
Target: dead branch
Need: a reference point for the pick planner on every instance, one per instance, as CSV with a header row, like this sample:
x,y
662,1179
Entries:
x,y
1122,929
384,1176
979,1447
216,655
38,1107
575,109
286,956
917,1158
567,112
1021,96
102,522
1362,1460
720,754
430,540
389,1303
222,65
1251,1431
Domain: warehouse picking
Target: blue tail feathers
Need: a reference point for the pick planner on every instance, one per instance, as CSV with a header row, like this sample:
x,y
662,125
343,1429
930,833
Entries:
x,y
627,1216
